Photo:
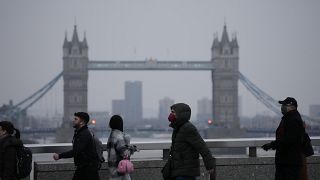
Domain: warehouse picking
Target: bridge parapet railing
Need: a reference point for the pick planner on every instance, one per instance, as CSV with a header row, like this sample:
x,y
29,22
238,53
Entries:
x,y
251,143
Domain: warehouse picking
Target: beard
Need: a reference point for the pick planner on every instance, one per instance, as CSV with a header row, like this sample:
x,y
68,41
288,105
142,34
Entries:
x,y
76,126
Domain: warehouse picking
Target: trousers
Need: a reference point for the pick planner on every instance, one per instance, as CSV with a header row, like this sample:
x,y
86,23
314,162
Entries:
x,y
86,173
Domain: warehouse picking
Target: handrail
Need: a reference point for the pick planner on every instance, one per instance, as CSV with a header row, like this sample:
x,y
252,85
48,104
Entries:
x,y
251,143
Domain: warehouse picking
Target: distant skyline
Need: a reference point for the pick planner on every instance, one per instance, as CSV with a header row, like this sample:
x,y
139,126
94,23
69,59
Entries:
x,y
278,40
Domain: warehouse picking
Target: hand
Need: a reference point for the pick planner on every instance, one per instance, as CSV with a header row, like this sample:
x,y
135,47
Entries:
x,y
56,156
266,147
126,154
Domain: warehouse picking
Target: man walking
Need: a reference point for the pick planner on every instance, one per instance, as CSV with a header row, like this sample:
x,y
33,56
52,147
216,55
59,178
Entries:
x,y
289,135
83,150
186,146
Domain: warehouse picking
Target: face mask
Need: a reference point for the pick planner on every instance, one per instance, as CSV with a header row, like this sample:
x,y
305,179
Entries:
x,y
284,109
171,117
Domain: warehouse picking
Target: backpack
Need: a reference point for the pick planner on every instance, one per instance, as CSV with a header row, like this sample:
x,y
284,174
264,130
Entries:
x,y
125,166
24,161
98,147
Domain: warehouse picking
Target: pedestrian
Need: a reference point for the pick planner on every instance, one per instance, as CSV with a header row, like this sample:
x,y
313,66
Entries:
x,y
184,163
9,141
117,148
83,150
288,143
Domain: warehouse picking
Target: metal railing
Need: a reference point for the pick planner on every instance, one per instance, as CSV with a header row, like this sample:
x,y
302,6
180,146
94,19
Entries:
x,y
251,143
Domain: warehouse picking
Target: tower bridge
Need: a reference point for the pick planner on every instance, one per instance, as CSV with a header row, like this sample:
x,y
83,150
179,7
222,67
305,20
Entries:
x,y
224,67
223,64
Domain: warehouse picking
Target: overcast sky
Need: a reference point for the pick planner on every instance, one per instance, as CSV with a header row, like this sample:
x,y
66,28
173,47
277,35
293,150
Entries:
x,y
279,47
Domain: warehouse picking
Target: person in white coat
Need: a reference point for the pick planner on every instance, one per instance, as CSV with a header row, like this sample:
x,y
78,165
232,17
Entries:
x,y
117,148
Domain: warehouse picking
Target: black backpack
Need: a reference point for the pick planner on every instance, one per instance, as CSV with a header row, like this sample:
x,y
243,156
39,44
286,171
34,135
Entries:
x,y
98,147
24,161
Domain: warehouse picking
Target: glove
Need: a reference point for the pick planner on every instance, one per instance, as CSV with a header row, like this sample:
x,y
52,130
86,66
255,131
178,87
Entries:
x,y
266,147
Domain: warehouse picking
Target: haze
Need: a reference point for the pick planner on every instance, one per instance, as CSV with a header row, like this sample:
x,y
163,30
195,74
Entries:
x,y
278,40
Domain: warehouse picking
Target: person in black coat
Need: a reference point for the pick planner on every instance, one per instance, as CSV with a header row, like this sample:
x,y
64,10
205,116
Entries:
x,y
186,146
288,143
83,150
9,141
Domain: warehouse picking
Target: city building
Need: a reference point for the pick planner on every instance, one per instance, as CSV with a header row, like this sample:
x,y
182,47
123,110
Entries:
x,y
131,107
164,108
133,98
119,107
204,110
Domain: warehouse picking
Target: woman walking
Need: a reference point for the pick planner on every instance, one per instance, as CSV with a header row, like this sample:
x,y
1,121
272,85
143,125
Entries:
x,y
117,148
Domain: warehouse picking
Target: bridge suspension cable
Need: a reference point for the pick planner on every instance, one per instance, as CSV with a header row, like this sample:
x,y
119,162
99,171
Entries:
x,y
267,100
32,99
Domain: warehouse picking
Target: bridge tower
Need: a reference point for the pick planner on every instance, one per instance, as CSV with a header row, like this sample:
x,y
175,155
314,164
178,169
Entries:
x,y
225,56
75,78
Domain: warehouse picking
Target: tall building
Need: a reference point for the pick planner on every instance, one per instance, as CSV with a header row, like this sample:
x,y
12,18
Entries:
x,y
204,109
131,107
119,107
75,76
164,107
225,57
75,80
133,98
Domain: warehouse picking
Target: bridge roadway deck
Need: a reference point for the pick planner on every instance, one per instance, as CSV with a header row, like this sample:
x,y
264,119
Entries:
x,y
245,166
151,65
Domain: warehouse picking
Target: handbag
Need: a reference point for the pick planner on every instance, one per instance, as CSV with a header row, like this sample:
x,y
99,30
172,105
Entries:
x,y
307,148
125,166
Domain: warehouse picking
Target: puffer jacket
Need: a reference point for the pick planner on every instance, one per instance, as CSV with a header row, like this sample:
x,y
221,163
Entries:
x,y
187,144
8,161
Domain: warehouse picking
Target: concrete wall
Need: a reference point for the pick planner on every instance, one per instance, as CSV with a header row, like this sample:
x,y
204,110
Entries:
x,y
240,168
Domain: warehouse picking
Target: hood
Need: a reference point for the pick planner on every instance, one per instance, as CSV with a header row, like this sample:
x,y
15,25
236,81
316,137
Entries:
x,y
183,114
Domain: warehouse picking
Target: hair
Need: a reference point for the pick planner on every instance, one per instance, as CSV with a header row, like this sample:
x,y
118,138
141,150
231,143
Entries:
x,y
8,126
83,115
116,122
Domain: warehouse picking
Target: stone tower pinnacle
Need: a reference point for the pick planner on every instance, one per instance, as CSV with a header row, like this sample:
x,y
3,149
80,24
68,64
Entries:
x,y
75,78
225,58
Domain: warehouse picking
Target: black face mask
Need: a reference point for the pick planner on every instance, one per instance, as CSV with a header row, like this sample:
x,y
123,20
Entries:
x,y
284,109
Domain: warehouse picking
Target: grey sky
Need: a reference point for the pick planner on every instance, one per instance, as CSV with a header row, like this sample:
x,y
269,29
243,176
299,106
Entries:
x,y
279,47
